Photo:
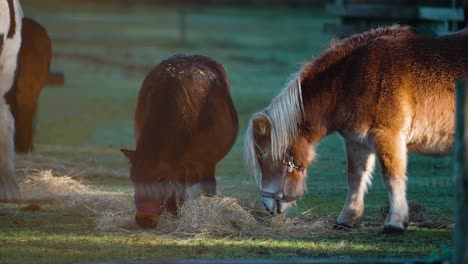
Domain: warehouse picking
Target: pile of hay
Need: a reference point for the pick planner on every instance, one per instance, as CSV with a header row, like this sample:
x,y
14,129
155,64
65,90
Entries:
x,y
208,216
44,187
29,162
219,217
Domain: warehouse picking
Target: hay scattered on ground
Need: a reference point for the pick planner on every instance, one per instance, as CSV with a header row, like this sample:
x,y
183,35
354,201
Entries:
x,y
42,186
240,216
220,217
25,163
207,216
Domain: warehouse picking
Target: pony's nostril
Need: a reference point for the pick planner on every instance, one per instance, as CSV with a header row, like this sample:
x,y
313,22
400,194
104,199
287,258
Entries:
x,y
271,211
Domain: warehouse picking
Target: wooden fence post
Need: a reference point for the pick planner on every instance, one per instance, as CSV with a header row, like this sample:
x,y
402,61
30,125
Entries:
x,y
461,174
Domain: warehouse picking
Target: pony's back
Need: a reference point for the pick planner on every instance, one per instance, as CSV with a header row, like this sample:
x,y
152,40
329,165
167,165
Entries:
x,y
184,100
185,123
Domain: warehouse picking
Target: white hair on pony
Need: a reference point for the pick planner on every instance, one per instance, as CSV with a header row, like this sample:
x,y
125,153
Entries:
x,y
284,113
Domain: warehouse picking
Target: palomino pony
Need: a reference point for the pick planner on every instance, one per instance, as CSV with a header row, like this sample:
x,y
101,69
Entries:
x,y
32,74
10,42
185,123
386,92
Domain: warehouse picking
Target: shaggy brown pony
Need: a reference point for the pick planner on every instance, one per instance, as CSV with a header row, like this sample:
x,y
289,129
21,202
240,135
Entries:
x,y
386,92
185,123
31,75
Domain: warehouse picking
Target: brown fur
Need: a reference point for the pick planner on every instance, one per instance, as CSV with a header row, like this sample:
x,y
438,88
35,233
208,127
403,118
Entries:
x,y
387,91
31,75
12,29
1,43
185,123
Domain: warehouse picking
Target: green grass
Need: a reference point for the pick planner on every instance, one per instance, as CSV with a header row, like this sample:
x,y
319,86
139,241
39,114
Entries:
x,y
27,237
105,51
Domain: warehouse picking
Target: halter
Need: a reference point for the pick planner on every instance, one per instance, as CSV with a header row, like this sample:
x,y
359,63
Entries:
x,y
289,166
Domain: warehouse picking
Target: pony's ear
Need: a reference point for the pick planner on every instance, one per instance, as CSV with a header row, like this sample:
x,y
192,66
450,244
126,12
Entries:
x,y
130,154
261,125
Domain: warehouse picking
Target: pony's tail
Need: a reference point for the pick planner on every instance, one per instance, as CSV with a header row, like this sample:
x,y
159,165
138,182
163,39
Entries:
x,y
9,188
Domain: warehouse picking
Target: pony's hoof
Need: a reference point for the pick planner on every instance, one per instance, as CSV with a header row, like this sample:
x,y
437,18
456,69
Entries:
x,y
344,227
392,231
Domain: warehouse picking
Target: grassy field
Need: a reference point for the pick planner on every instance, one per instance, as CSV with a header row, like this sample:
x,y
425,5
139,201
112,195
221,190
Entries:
x,y
105,51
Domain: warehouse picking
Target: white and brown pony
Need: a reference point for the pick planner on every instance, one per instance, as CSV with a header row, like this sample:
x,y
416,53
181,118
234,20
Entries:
x,y
10,41
386,92
32,73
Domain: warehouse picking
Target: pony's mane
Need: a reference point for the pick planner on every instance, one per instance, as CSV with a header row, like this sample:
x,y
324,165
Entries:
x,y
284,114
286,110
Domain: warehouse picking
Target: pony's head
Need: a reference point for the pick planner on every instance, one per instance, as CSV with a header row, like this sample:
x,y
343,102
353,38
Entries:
x,y
281,179
154,191
273,150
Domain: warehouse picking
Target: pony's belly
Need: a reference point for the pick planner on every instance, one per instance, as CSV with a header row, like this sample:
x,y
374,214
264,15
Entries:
x,y
11,47
435,143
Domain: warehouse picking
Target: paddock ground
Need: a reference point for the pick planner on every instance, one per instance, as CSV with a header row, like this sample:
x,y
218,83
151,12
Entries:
x,y
105,52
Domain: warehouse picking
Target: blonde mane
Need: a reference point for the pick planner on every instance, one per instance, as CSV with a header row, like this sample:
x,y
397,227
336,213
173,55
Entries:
x,y
286,110
284,114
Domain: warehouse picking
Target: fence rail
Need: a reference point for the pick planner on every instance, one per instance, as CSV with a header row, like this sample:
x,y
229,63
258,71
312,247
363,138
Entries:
x,y
461,175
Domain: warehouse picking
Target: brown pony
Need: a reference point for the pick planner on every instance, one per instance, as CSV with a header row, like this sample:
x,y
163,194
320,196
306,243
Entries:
x,y
31,75
185,123
386,92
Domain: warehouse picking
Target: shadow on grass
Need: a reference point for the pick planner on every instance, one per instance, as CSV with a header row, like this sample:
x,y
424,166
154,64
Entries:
x,y
51,236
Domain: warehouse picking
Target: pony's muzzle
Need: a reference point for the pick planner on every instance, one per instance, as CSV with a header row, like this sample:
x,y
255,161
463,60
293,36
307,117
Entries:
x,y
147,216
147,221
283,207
269,204
275,206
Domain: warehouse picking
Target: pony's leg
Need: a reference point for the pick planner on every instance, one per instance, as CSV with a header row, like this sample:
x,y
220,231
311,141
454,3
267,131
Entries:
x,y
209,181
193,186
204,184
172,203
23,113
361,160
9,189
392,154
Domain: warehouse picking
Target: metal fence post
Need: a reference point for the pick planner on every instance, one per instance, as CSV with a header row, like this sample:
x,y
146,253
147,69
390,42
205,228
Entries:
x,y
461,175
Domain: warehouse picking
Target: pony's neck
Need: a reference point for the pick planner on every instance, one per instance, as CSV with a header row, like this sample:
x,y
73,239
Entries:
x,y
318,97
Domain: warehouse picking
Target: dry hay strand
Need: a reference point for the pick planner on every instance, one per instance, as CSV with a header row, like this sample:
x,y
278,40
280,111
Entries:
x,y
28,162
42,186
215,216
219,217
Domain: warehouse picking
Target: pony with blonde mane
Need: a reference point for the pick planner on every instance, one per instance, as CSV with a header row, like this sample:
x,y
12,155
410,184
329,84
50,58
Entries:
x,y
11,15
386,92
